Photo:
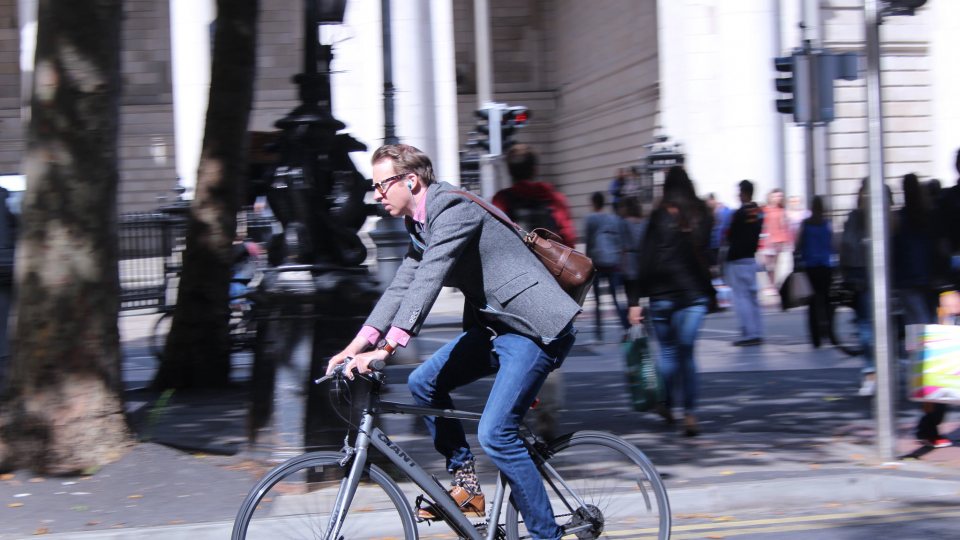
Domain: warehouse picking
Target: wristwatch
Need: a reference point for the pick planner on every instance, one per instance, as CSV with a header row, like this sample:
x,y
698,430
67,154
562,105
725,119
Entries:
x,y
391,349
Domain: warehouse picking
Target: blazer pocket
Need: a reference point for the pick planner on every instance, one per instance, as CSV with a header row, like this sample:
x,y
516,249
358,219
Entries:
x,y
509,290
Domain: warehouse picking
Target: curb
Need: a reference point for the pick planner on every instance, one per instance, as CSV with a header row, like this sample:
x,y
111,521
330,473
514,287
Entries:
x,y
807,491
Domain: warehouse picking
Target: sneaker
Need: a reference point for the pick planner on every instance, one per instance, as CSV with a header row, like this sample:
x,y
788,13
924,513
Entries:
x,y
939,442
868,387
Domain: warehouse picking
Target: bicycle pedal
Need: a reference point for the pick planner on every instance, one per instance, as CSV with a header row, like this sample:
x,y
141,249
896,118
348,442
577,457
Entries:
x,y
430,507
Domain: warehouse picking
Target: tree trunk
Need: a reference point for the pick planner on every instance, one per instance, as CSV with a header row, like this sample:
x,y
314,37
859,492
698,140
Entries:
x,y
197,352
62,411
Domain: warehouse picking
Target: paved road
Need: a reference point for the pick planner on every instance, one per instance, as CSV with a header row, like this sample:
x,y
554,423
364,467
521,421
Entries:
x,y
783,428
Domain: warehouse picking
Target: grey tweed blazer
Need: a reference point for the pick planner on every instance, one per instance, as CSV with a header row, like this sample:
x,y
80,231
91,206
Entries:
x,y
462,245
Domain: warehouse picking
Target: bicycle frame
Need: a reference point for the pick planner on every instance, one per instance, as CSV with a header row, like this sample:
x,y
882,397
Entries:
x,y
368,434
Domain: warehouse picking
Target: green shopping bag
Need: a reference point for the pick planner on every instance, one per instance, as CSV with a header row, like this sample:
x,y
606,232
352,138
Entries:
x,y
642,377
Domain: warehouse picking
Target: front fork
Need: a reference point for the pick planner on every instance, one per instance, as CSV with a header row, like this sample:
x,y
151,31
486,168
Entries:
x,y
348,487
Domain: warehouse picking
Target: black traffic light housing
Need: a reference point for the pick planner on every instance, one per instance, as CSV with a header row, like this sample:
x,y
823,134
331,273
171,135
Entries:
x,y
795,85
513,117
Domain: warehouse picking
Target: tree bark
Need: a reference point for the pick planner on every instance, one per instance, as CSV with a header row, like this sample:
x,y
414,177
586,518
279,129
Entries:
x,y
62,411
197,353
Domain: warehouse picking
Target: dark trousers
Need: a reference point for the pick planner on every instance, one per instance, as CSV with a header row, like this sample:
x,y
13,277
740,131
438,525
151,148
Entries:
x,y
817,311
928,428
614,281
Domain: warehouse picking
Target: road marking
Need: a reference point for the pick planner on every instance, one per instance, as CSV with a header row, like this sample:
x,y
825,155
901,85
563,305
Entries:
x,y
790,524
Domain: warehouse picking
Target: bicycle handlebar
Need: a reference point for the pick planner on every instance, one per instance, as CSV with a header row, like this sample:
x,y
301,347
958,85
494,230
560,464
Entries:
x,y
375,365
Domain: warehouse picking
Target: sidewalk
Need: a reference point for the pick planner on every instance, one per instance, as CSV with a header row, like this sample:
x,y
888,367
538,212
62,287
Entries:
x,y
782,425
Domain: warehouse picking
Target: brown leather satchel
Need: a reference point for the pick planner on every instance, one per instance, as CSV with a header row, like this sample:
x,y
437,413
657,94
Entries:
x,y
573,270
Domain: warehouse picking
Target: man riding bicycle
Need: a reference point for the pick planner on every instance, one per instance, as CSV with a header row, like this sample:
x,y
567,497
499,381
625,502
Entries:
x,y
518,324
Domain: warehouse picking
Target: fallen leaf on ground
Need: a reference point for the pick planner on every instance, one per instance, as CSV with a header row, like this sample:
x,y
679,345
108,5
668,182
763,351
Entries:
x,y
727,473
14,505
93,522
725,518
7,476
41,530
37,480
135,496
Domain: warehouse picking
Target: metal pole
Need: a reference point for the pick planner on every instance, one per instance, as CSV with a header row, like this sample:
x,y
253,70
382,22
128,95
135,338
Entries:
x,y
389,128
481,28
879,277
817,136
809,28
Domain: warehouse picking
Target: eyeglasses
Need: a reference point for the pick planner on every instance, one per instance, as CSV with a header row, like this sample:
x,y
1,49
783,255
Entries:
x,y
383,186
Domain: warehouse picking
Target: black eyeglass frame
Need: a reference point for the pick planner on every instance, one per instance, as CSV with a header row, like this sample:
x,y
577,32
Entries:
x,y
383,186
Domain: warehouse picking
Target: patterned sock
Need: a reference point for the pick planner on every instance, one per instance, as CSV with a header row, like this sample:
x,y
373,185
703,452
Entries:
x,y
466,477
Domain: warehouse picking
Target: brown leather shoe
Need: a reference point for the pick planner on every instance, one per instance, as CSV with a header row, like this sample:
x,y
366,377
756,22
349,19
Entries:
x,y
471,505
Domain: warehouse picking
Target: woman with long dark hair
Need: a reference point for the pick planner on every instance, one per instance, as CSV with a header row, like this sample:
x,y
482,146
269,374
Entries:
x,y
675,276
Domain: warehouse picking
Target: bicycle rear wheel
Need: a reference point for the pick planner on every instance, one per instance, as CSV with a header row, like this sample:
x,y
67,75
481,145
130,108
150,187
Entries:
x,y
844,331
295,501
601,487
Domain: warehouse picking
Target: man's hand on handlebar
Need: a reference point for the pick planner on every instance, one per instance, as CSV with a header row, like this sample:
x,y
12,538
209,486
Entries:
x,y
353,349
366,362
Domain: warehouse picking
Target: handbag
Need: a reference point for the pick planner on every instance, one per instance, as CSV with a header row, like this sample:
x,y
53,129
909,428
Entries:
x,y
573,270
643,380
795,291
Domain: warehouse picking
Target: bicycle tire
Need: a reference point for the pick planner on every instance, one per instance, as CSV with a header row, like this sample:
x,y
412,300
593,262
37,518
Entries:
x,y
619,505
844,334
158,339
288,502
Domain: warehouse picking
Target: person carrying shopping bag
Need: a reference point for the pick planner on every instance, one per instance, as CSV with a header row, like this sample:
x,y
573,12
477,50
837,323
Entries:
x,y
675,276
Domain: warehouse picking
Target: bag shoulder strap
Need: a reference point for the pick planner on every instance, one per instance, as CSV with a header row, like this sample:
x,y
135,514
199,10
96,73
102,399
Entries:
x,y
496,212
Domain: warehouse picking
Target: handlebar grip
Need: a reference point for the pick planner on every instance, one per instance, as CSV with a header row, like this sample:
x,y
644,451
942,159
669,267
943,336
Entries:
x,y
377,365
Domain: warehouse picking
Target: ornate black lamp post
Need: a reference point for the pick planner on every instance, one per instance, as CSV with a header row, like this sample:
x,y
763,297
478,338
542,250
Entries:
x,y
317,194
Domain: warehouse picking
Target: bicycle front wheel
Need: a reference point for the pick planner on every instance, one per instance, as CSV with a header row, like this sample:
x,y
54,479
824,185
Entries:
x,y
296,499
600,486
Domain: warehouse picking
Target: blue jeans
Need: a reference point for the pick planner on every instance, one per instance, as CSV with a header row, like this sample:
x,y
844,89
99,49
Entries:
x,y
521,365
676,330
741,276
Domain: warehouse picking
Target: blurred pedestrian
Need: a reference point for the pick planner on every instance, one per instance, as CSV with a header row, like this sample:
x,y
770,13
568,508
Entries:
x,y
675,276
534,204
722,215
947,283
518,325
618,187
774,237
854,255
796,213
814,256
741,266
635,231
8,239
605,242
913,255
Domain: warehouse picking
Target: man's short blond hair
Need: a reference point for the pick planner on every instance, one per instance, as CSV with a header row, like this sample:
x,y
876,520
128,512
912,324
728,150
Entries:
x,y
406,159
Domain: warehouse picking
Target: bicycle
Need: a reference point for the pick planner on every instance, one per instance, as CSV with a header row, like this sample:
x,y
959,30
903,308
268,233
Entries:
x,y
598,483
242,326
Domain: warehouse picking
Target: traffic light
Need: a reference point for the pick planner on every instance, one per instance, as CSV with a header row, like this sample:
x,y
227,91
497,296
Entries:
x,y
795,85
490,116
513,118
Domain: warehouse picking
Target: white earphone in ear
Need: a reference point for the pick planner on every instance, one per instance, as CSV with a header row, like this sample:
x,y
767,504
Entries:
x,y
410,185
